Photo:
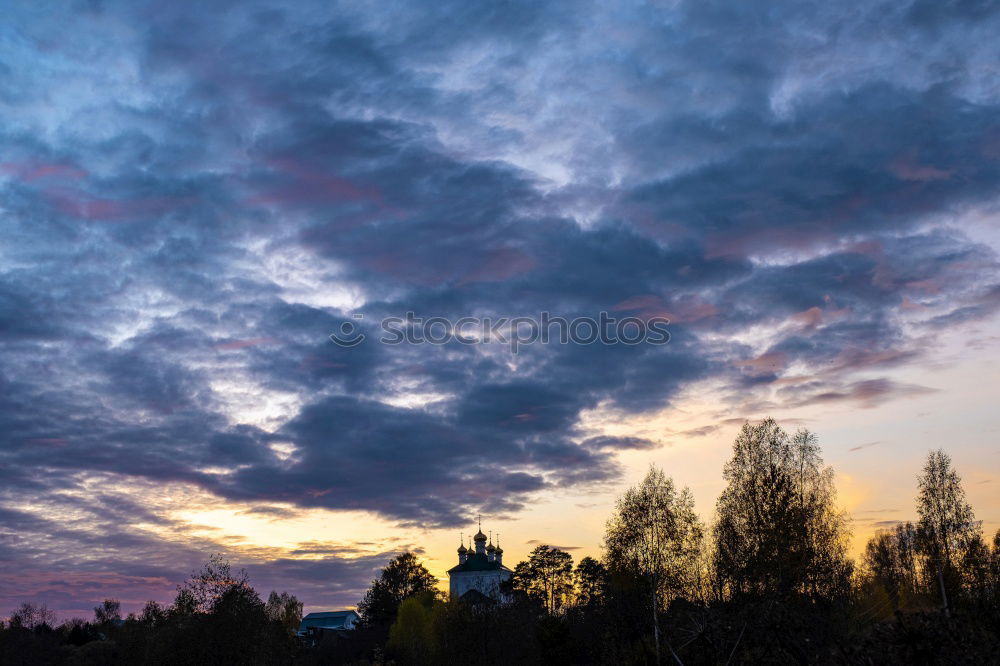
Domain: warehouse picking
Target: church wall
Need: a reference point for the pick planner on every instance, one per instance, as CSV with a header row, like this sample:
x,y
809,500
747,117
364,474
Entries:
x,y
486,582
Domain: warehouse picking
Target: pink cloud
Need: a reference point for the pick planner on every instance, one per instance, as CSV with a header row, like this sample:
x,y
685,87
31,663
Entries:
x,y
501,265
768,239
317,361
766,364
48,441
906,167
815,316
809,319
926,286
907,304
85,207
643,302
74,594
241,344
311,186
868,393
32,171
863,358
687,308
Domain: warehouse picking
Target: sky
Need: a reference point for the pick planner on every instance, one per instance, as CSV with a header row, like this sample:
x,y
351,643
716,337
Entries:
x,y
195,196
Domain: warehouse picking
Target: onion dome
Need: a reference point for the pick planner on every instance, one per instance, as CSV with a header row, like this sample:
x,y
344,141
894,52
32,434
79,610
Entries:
x,y
462,549
479,536
490,548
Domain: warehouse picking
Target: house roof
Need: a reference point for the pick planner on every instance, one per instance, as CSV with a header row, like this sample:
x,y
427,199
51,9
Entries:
x,y
327,620
477,562
343,613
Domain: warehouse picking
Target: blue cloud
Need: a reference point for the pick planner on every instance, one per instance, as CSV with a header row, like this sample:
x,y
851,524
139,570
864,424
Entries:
x,y
195,197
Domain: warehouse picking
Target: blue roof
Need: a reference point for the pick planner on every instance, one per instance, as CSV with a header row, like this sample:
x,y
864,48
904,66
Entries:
x,y
327,620
343,613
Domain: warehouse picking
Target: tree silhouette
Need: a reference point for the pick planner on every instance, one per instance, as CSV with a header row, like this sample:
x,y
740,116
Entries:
x,y
827,568
654,535
32,616
890,561
546,576
777,530
947,526
993,591
109,612
203,589
284,609
152,614
591,578
401,579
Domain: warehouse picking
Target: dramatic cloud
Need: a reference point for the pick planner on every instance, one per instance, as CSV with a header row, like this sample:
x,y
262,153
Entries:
x,y
194,197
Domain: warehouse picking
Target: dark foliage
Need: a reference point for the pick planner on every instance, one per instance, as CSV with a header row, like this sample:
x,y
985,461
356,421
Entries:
x,y
401,579
216,618
546,577
661,597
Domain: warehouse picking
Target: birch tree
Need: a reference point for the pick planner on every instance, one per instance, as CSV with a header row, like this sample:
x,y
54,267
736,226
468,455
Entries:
x,y
655,535
947,524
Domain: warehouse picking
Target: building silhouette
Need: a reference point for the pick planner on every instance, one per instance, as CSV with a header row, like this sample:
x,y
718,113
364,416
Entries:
x,y
480,572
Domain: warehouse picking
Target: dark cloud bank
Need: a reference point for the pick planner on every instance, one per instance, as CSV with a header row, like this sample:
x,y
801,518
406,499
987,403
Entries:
x,y
192,194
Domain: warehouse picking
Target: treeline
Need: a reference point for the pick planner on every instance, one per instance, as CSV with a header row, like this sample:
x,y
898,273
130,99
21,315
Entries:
x,y
216,618
769,581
